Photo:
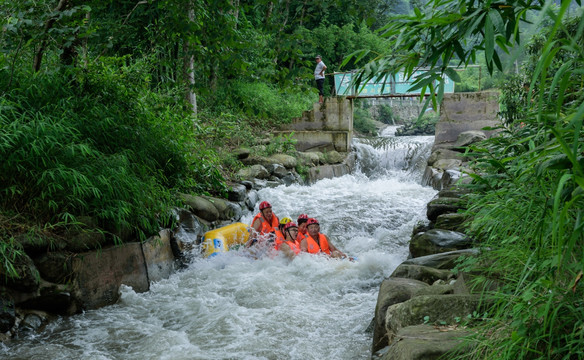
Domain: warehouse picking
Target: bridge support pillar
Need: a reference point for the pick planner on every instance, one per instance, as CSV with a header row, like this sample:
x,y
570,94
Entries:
x,y
327,127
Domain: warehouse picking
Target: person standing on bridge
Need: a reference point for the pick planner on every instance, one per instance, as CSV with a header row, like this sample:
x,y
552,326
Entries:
x,y
319,77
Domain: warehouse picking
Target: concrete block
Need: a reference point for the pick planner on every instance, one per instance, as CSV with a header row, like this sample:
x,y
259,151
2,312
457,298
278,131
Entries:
x,y
99,274
462,112
328,126
158,256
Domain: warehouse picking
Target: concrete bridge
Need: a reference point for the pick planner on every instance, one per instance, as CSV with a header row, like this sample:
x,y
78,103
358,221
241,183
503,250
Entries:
x,y
329,126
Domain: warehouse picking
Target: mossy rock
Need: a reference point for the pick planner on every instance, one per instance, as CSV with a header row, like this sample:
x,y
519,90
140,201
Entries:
x,y
443,205
446,309
426,274
425,342
392,291
201,207
438,241
288,161
450,221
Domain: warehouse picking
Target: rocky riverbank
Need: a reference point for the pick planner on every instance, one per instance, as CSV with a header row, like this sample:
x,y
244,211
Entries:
x,y
424,307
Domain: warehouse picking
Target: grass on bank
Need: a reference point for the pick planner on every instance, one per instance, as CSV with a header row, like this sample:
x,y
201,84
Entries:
x,y
527,207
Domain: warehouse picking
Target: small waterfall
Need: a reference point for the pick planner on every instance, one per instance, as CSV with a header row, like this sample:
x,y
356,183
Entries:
x,y
389,155
233,307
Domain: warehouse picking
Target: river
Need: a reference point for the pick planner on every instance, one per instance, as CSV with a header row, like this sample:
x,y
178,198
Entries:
x,y
232,307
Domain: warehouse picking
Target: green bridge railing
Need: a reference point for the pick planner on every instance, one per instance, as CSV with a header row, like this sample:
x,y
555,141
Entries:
x,y
389,86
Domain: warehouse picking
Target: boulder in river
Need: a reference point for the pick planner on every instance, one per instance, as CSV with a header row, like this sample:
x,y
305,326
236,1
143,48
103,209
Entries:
x,y
445,260
236,192
432,177
309,158
450,221
201,207
55,267
447,164
440,154
443,205
29,280
423,342
252,199
421,273
392,291
438,241
438,309
334,157
470,137
226,209
289,162
32,322
187,233
253,172
7,313
277,170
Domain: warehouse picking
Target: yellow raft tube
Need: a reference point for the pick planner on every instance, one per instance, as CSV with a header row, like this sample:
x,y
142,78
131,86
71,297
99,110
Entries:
x,y
220,240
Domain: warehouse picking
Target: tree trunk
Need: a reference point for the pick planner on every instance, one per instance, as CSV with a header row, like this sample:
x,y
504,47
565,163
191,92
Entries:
x,y
302,14
38,57
213,76
286,13
269,12
85,53
235,4
189,69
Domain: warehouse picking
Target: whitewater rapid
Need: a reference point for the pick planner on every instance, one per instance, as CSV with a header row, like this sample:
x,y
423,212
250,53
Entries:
x,y
233,307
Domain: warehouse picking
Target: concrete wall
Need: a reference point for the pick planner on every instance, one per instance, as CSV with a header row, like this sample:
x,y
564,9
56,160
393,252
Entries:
x,y
461,112
464,112
331,171
326,127
99,274
323,140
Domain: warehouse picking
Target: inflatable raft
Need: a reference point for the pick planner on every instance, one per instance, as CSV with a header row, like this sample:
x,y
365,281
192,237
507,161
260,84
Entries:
x,y
220,240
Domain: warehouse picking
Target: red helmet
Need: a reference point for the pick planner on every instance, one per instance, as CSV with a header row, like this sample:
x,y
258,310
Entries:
x,y
312,221
302,217
265,205
291,224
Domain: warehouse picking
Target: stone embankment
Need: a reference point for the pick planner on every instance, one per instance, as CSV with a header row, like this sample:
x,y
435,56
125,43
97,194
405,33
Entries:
x,y
81,271
280,169
424,306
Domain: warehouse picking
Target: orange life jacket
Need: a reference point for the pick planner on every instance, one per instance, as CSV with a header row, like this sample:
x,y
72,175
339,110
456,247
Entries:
x,y
313,246
300,237
292,245
279,239
266,227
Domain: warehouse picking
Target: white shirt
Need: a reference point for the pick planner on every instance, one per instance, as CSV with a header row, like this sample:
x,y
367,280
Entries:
x,y
319,67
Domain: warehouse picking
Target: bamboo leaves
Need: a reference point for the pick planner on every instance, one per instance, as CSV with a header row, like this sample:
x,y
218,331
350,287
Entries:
x,y
447,31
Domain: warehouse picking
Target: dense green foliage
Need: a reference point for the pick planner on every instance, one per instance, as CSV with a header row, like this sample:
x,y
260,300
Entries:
x,y
529,208
363,122
478,79
109,109
424,125
527,203
79,143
